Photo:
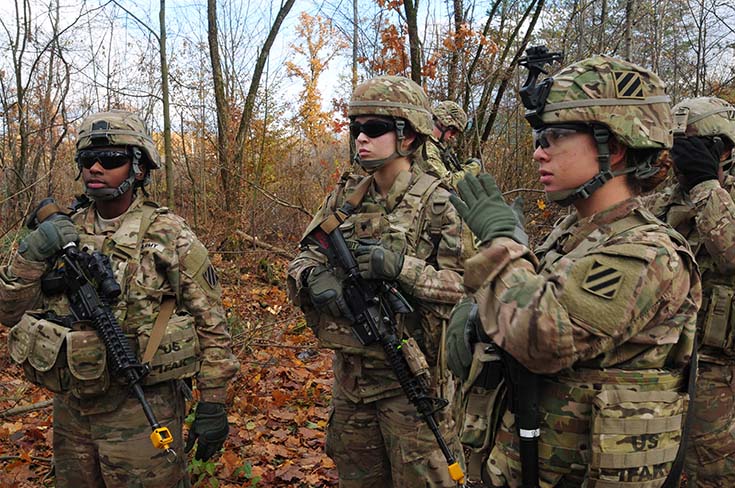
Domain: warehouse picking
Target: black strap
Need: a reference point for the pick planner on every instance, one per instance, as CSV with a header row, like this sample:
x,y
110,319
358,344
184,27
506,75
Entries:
x,y
673,480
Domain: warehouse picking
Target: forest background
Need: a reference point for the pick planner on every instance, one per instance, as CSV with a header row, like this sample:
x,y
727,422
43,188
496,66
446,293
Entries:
x,y
234,92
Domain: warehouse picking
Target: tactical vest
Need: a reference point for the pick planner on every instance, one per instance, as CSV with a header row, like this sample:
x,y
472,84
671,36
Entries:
x,y
401,231
613,428
74,361
716,317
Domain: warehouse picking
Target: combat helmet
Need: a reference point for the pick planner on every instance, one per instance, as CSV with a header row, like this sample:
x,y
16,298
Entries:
x,y
612,97
118,128
706,117
396,97
450,115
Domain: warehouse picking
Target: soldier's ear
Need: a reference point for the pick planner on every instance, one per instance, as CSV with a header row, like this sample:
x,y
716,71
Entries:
x,y
141,176
617,152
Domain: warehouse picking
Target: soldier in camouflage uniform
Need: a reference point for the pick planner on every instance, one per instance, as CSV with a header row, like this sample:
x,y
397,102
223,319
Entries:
x,y
700,206
101,435
437,158
605,311
408,234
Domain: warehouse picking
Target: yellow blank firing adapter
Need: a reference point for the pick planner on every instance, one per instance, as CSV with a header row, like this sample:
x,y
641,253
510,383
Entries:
x,y
161,438
455,472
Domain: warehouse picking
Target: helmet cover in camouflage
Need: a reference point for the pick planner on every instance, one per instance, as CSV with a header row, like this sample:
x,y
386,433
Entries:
x,y
705,117
393,96
117,128
450,115
629,99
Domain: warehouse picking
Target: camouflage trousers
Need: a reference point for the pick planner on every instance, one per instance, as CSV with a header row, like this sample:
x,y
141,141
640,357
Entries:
x,y
114,449
710,460
385,444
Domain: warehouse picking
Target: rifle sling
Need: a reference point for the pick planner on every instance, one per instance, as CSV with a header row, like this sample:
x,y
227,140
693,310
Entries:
x,y
339,216
159,328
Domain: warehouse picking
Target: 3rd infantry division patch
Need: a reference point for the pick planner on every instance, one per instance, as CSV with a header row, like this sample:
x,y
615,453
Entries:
x,y
603,280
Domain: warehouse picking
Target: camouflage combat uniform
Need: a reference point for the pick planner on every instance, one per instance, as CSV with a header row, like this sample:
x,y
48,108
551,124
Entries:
x,y
559,316
375,435
101,436
436,160
705,215
605,311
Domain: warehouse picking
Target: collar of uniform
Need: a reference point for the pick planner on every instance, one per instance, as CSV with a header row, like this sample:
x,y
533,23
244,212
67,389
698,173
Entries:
x,y
90,216
395,194
437,142
582,228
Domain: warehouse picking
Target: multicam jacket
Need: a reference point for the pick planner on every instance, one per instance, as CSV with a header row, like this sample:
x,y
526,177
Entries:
x,y
417,219
705,217
435,160
608,303
171,262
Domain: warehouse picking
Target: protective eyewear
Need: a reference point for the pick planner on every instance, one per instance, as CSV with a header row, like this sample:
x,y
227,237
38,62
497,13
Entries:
x,y
108,158
551,135
372,128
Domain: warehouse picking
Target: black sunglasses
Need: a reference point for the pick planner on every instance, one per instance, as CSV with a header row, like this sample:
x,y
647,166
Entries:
x,y
372,128
108,158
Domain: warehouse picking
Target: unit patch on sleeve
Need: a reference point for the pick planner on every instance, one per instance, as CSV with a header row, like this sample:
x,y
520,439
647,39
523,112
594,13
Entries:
x,y
210,276
602,280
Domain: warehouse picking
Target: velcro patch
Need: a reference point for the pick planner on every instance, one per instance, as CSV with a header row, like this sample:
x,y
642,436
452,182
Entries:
x,y
603,281
628,84
210,276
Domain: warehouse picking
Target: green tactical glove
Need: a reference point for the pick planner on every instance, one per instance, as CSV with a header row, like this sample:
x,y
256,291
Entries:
x,y
49,238
378,263
461,336
210,429
519,234
325,292
481,206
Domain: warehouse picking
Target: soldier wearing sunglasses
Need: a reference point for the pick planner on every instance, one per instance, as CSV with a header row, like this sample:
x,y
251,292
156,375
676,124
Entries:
x,y
603,313
700,206
170,294
404,232
437,157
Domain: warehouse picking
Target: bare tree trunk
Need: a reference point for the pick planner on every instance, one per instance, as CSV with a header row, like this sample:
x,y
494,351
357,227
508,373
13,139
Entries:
x,y
453,78
247,111
414,45
168,153
629,14
222,107
355,32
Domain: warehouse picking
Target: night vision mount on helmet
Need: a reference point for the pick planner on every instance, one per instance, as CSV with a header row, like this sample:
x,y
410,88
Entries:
x,y
123,129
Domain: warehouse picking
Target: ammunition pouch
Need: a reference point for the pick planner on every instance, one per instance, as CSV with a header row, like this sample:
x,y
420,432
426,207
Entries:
x,y
625,425
60,359
483,404
717,325
635,437
177,355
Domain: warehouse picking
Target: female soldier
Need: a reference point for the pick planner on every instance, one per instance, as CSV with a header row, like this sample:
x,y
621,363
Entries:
x,y
410,235
605,312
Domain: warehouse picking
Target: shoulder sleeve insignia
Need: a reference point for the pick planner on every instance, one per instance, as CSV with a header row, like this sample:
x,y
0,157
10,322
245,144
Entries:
x,y
210,276
628,84
602,280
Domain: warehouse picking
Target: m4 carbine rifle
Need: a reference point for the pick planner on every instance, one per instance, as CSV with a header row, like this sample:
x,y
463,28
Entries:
x,y
374,305
90,286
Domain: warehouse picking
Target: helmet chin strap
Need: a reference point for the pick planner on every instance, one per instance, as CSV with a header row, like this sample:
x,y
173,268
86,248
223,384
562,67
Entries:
x,y
104,194
602,139
372,165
